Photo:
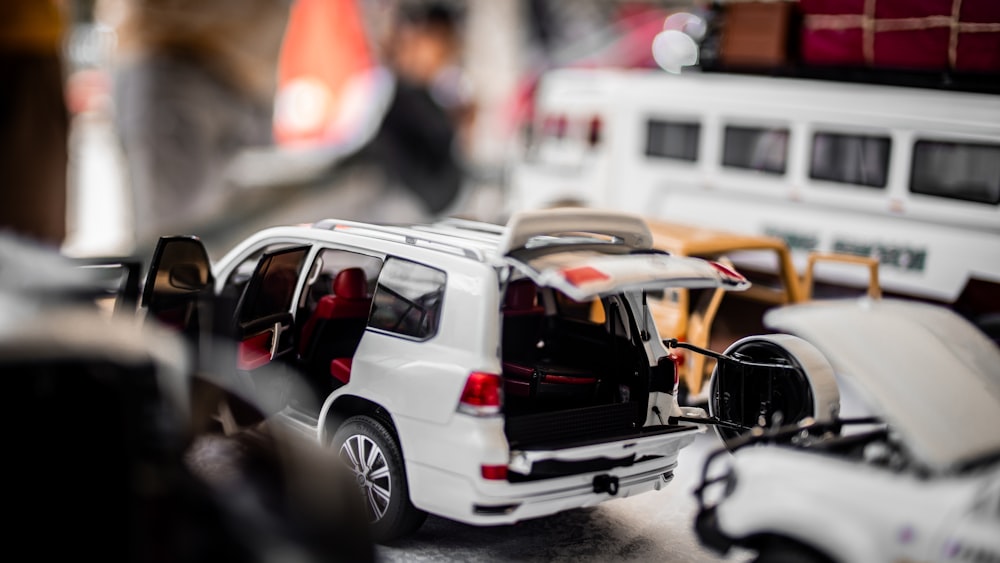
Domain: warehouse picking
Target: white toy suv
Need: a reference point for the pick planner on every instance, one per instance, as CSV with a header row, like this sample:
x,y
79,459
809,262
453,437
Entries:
x,y
481,373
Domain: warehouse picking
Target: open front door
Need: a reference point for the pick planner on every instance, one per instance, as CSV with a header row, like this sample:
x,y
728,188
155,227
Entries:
x,y
264,317
179,276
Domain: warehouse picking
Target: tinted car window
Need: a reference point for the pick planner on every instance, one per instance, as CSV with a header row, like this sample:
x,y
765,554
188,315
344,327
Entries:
x,y
407,299
672,139
755,148
862,160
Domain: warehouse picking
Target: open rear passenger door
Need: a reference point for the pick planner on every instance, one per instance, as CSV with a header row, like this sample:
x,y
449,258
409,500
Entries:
x,y
264,318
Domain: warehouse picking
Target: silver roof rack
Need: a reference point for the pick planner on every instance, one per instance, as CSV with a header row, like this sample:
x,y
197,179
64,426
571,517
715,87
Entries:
x,y
408,235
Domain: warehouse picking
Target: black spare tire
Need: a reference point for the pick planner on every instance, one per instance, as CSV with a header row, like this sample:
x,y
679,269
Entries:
x,y
771,379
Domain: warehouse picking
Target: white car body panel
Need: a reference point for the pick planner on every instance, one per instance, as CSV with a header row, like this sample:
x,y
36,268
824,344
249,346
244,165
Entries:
x,y
909,358
443,470
855,512
929,491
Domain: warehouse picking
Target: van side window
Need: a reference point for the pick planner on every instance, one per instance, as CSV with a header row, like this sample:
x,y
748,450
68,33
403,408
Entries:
x,y
965,171
862,160
408,299
672,139
755,148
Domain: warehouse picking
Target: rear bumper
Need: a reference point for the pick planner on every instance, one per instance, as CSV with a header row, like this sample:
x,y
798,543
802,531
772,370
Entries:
x,y
506,503
445,475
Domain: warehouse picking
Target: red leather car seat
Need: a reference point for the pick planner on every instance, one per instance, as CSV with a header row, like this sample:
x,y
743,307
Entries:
x,y
521,299
349,300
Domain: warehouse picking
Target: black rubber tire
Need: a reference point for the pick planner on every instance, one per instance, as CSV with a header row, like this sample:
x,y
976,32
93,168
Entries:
x,y
397,517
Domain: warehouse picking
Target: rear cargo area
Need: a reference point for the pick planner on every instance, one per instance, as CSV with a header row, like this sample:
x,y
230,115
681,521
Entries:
x,y
572,375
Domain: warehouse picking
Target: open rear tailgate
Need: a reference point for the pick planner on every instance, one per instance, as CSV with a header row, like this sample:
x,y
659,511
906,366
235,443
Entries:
x,y
584,274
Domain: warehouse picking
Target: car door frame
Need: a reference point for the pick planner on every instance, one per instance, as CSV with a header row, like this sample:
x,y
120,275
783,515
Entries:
x,y
179,279
267,337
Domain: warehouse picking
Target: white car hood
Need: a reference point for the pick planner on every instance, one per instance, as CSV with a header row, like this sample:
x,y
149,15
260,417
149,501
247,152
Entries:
x,y
931,374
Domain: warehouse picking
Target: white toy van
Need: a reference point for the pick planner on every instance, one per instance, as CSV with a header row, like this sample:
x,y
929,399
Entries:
x,y
910,176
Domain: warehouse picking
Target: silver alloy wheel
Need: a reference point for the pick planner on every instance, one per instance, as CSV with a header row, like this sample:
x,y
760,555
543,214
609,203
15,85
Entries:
x,y
371,472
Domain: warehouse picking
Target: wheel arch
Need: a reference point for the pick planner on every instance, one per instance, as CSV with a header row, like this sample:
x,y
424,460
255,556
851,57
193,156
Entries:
x,y
398,517
345,406
807,498
832,538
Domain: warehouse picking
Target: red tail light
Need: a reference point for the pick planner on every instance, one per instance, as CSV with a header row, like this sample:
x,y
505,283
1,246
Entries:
x,y
679,359
483,394
494,472
728,272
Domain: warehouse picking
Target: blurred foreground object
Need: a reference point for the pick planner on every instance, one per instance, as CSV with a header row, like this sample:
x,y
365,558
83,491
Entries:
x,y
109,448
34,121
